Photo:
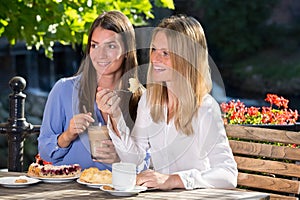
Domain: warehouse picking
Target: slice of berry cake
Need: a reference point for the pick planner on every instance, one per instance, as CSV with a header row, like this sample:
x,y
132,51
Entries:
x,y
45,169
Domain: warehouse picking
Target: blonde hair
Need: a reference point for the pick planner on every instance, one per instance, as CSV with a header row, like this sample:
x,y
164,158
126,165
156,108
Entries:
x,y
189,57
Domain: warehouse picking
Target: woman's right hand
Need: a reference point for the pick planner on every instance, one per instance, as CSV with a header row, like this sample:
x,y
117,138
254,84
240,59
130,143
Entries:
x,y
108,102
78,124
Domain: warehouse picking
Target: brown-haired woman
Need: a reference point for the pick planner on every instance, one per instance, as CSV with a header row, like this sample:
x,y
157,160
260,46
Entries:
x,y
89,96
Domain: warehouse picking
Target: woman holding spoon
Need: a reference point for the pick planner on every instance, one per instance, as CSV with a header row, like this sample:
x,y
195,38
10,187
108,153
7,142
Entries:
x,y
88,97
177,118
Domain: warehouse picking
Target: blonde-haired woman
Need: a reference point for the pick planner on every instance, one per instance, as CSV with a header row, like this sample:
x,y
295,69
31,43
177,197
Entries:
x,y
178,121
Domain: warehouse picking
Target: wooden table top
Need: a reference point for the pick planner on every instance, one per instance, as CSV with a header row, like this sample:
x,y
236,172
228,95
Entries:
x,y
73,190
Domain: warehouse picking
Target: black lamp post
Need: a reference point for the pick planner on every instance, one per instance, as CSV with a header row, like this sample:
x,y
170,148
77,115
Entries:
x,y
17,128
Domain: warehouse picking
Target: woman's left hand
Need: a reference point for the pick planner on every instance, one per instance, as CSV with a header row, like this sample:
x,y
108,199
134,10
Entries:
x,y
107,153
152,179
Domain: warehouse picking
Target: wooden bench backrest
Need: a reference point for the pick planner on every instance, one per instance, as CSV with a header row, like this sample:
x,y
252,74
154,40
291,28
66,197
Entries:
x,y
266,160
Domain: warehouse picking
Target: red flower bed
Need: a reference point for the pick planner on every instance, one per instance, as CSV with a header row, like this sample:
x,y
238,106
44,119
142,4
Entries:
x,y
235,112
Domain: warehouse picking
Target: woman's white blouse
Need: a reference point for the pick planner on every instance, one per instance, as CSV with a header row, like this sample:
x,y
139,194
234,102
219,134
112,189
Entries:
x,y
202,160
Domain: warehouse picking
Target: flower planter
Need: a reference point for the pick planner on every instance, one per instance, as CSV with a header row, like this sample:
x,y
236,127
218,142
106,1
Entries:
x,y
288,127
281,117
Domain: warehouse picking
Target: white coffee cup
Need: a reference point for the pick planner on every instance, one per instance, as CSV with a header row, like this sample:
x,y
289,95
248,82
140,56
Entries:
x,y
96,135
123,176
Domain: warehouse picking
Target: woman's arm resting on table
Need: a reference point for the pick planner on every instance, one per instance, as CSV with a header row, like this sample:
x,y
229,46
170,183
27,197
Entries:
x,y
152,179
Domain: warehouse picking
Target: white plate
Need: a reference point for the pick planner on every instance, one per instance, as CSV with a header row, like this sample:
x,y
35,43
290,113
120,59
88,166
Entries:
x,y
10,181
56,180
92,185
136,190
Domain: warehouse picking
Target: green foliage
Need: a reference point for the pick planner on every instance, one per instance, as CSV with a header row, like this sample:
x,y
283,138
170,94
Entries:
x,y
41,23
236,28
284,64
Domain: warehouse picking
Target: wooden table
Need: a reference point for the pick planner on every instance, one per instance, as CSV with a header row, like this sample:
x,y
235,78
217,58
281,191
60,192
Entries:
x,y
73,190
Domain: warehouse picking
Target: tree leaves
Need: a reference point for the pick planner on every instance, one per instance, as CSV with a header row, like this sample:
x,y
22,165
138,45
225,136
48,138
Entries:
x,y
41,23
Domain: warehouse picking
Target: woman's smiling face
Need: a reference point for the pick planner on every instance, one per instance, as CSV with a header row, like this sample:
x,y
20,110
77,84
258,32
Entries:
x,y
106,51
161,59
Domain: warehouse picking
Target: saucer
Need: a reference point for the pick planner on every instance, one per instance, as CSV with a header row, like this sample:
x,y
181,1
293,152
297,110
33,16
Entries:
x,y
10,182
137,189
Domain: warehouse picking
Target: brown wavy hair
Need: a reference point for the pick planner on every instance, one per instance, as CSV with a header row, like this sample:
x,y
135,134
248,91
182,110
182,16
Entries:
x,y
119,23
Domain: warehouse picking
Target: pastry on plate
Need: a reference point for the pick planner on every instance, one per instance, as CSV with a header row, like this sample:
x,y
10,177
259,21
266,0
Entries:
x,y
45,169
95,176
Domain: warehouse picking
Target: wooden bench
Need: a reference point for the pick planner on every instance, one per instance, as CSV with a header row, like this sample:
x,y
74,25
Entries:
x,y
264,164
